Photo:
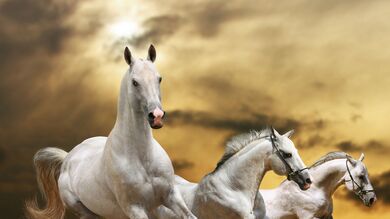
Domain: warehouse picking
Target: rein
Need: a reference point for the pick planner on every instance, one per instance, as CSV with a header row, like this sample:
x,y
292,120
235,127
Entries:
x,y
361,190
291,173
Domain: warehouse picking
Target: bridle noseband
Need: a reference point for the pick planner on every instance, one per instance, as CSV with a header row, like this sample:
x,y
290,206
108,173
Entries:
x,y
291,173
361,190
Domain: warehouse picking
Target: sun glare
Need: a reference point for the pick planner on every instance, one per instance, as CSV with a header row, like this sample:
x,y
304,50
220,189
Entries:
x,y
124,28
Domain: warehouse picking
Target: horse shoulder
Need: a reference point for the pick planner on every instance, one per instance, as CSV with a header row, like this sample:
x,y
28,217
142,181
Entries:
x,y
215,197
82,176
160,163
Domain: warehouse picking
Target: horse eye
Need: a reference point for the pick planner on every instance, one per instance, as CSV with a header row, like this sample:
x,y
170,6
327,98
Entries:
x,y
135,83
287,155
159,80
361,177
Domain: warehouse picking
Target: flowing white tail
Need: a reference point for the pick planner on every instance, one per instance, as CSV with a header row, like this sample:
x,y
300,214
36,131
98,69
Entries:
x,y
47,162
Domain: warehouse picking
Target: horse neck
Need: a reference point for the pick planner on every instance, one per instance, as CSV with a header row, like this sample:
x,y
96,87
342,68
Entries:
x,y
329,176
131,133
247,168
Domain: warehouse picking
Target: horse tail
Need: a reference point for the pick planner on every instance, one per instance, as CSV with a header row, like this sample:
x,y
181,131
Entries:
x,y
47,163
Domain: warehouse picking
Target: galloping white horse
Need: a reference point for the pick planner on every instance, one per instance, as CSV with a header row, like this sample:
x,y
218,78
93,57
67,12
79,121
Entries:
x,y
231,189
126,175
329,173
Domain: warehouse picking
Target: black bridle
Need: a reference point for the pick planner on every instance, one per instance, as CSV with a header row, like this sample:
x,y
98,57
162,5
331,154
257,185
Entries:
x,y
361,191
279,153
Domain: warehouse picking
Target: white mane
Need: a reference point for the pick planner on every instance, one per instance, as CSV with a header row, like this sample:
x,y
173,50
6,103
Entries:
x,y
330,156
237,143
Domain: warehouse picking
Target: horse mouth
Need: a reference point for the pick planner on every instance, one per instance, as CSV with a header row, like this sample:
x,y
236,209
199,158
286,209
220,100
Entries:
x,y
369,202
304,186
156,123
156,126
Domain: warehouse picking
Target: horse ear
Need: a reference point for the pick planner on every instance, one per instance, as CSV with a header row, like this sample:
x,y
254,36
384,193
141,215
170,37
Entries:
x,y
128,57
361,158
289,133
351,160
151,53
271,129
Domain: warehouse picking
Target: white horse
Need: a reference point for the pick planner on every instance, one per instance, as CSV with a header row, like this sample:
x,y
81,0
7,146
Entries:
x,y
329,173
126,175
231,189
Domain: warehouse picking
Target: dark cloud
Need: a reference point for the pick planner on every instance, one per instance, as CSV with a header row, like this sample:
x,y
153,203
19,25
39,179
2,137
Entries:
x,y
355,105
237,125
376,145
381,185
219,89
35,112
209,18
347,146
318,84
356,117
157,29
28,11
30,25
314,140
40,103
206,19
32,37
180,164
371,145
2,155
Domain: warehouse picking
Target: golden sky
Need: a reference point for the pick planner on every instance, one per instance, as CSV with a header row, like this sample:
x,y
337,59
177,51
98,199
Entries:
x,y
319,67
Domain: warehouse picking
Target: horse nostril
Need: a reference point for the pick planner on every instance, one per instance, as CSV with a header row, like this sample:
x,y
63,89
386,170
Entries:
x,y
372,201
308,180
151,116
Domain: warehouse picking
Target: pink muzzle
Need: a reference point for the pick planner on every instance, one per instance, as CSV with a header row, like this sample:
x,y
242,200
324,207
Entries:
x,y
158,115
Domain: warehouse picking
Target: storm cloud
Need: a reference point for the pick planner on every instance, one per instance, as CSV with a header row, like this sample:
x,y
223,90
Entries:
x,y
157,29
319,67
257,121
371,145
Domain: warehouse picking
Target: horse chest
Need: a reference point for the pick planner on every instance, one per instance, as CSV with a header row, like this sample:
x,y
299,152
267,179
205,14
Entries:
x,y
318,204
321,202
140,181
220,202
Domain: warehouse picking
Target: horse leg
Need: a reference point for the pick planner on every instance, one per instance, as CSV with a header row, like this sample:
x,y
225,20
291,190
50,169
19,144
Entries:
x,y
83,212
136,212
75,205
306,214
251,216
259,207
175,202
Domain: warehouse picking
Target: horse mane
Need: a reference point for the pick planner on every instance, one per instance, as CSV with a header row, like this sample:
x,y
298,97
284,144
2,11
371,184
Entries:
x,y
237,143
330,156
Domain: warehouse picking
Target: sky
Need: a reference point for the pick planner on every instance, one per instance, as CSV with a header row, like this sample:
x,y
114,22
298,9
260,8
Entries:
x,y
228,67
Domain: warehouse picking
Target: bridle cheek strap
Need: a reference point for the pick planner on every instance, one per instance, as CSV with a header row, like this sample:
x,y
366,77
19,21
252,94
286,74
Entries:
x,y
279,154
361,190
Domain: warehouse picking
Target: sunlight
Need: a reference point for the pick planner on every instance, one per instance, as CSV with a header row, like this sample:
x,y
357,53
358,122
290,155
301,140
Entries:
x,y
124,28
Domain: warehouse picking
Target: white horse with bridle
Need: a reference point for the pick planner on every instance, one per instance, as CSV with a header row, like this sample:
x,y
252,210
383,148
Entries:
x,y
231,190
329,173
126,175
